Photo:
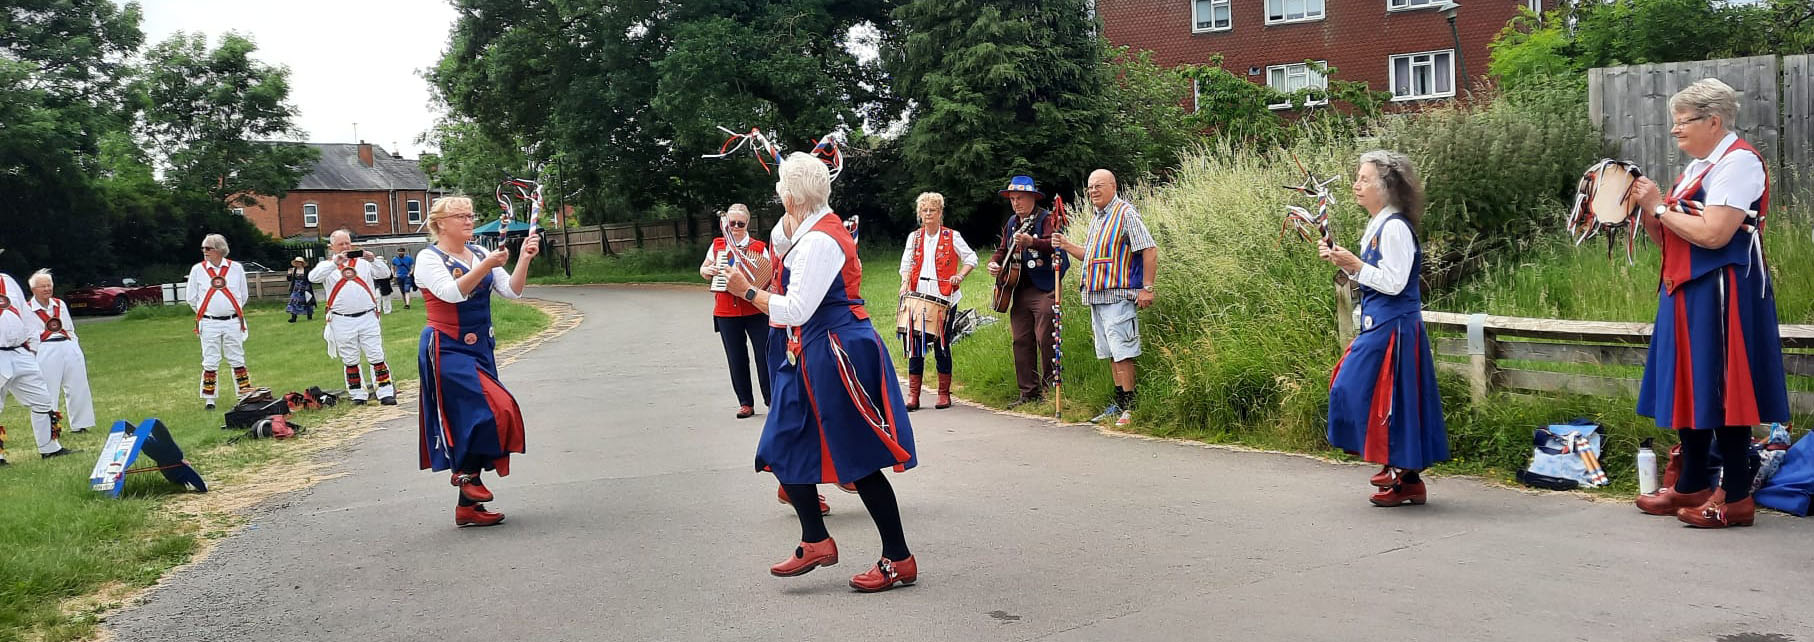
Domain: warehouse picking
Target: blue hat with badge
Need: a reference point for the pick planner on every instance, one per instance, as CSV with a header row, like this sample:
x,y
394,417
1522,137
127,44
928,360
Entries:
x,y
1022,184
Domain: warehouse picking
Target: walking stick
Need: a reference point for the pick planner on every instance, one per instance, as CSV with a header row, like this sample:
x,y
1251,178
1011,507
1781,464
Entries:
x,y
1058,225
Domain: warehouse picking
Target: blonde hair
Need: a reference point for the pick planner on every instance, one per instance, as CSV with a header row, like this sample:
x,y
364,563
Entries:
x,y
806,179
218,242
40,275
935,198
1708,97
736,208
443,208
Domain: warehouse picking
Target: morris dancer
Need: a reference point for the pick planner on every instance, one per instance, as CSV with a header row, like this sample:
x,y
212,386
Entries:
x,y
838,415
353,313
59,354
469,422
1120,263
19,373
939,273
1030,318
1716,366
1383,403
740,326
216,288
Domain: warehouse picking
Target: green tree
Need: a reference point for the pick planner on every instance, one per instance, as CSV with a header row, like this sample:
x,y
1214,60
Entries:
x,y
1585,35
472,162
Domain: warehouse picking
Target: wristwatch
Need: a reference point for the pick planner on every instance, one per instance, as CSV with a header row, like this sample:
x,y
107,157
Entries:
x,y
749,294
1659,210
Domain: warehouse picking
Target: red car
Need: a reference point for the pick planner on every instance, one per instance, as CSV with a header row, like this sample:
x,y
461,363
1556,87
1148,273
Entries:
x,y
113,297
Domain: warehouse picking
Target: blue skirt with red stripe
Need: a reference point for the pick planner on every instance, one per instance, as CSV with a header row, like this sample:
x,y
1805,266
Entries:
x,y
465,411
1716,355
838,416
1384,406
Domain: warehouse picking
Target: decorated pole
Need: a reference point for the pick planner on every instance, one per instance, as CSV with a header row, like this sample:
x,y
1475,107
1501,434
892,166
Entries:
x,y
1058,225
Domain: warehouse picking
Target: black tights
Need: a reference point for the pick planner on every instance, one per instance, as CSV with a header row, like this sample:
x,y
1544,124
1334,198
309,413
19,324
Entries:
x,y
916,351
1735,456
878,497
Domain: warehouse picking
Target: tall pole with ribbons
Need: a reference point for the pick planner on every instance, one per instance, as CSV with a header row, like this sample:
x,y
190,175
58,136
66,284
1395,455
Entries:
x,y
1059,221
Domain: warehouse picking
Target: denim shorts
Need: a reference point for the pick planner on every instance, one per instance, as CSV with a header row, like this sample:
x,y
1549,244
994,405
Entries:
x,y
1116,327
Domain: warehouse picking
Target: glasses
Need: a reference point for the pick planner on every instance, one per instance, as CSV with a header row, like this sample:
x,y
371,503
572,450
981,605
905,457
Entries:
x,y
461,217
1685,123
739,224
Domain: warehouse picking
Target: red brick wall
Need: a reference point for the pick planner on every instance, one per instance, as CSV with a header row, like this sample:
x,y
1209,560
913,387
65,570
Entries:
x,y
282,218
1357,37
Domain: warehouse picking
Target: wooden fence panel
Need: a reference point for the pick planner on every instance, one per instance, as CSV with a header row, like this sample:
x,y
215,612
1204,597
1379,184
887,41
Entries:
x,y
1796,175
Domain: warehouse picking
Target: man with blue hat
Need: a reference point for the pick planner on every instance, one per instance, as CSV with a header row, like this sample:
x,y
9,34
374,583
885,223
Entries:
x,y
1029,230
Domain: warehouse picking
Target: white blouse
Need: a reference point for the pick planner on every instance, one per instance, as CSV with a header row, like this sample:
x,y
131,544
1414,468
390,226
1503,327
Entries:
x,y
1397,251
925,279
812,259
432,276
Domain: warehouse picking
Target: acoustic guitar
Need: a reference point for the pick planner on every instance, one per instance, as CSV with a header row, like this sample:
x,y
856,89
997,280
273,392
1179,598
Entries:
x,y
1008,280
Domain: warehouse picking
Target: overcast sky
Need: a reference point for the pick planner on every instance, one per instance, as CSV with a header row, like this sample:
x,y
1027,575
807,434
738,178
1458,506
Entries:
x,y
351,61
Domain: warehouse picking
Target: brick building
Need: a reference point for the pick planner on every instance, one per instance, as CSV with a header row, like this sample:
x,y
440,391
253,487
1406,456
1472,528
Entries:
x,y
358,186
1404,46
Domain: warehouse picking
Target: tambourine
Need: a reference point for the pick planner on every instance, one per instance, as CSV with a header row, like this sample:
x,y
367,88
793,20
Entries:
x,y
1604,203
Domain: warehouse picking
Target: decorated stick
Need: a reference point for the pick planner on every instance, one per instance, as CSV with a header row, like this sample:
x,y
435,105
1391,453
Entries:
x,y
509,214
1058,224
530,191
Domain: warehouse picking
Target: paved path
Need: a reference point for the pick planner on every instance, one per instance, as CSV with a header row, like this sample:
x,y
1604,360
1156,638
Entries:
x,y
635,516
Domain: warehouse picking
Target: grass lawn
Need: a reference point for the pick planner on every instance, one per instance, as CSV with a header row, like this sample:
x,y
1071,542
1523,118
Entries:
x,y
59,540
665,265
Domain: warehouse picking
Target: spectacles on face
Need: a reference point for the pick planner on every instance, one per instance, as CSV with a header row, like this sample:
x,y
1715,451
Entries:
x,y
460,217
1685,123
739,224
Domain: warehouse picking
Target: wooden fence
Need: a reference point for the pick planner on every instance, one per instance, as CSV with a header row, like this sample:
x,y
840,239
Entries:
x,y
613,238
1776,113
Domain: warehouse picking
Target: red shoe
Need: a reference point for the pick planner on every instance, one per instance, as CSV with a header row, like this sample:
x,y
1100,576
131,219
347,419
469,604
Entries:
x,y
808,556
476,515
472,488
1667,501
781,494
944,391
885,574
1716,513
913,393
848,488
1385,478
745,412
1400,494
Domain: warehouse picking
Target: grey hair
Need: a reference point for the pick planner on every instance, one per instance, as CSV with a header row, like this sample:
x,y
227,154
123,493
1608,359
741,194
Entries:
x,y
218,242
1708,97
934,198
40,275
805,179
348,232
735,208
1398,179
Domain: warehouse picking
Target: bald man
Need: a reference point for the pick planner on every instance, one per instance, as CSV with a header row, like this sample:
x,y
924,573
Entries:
x,y
1119,263
352,314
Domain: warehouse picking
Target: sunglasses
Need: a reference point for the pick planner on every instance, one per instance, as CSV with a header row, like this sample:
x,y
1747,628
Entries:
x,y
739,224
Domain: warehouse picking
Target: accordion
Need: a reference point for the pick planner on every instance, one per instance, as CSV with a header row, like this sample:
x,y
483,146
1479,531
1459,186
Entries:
x,y
721,282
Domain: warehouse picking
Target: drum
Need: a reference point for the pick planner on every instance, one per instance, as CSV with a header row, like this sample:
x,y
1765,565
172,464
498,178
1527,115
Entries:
x,y
922,313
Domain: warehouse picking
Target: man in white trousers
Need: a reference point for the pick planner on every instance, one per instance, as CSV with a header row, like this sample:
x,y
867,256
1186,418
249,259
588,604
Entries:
x,y
352,314
216,289
19,374
60,358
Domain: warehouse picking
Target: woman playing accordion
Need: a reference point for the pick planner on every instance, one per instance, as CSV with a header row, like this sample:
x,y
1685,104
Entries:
x,y
1715,366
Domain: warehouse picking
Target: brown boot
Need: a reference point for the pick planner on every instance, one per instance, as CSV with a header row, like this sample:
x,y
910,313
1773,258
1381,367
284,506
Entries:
x,y
913,392
1673,469
944,391
1716,513
1667,501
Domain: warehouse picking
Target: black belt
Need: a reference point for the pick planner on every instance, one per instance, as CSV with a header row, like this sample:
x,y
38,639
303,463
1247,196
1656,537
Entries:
x,y
229,317
12,348
54,339
351,316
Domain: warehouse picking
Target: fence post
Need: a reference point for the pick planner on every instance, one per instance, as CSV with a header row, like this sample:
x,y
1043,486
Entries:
x,y
1481,351
1344,310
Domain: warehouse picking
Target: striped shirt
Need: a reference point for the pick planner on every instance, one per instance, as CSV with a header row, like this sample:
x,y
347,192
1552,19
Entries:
x,y
1138,239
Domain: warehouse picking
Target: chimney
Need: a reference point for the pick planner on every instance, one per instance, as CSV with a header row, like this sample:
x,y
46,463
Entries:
x,y
365,153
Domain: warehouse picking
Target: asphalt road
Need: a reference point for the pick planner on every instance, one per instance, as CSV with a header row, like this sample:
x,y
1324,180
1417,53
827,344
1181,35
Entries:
x,y
636,516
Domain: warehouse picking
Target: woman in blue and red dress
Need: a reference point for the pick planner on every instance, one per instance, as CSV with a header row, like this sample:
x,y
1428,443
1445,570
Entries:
x,y
470,423
837,416
1383,403
1715,367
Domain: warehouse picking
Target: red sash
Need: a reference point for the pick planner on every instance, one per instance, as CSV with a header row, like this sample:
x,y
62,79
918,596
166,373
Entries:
x,y
221,278
10,305
55,315
354,266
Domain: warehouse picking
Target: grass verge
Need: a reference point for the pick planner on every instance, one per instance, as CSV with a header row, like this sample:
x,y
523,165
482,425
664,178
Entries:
x,y
665,265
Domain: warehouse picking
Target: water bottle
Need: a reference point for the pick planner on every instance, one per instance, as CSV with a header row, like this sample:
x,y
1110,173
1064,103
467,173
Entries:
x,y
1647,468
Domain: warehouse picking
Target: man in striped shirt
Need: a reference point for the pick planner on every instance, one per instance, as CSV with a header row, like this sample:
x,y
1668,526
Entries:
x,y
1120,261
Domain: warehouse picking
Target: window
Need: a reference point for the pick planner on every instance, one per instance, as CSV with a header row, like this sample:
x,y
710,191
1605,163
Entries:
x,y
1401,5
1423,75
239,211
415,211
309,216
1290,78
1278,11
1210,15
371,213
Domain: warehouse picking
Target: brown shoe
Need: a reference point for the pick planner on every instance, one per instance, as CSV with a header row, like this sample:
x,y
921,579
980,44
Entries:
x,y
1667,501
913,393
1385,478
807,556
1401,493
1716,513
745,412
944,391
885,574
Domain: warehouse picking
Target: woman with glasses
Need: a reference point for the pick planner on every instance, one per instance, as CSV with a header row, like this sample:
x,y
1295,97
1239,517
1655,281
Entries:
x,y
740,326
470,423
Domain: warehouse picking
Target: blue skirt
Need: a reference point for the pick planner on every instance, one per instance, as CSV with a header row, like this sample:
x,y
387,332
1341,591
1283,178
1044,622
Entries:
x,y
838,416
1716,355
466,413
1384,405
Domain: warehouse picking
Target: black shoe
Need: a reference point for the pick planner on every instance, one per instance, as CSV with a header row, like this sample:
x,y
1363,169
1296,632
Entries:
x,y
78,431
388,401
358,402
5,463
60,452
210,406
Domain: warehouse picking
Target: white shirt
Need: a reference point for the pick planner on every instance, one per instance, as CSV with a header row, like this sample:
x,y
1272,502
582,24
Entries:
x,y
926,280
432,276
1397,251
218,306
353,299
813,259
36,325
1736,181
14,329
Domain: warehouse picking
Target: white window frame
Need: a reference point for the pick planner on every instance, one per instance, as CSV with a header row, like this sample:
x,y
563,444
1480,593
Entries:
x,y
239,211
415,210
1308,73
1196,22
1321,13
1414,5
311,215
1392,74
1536,6
371,213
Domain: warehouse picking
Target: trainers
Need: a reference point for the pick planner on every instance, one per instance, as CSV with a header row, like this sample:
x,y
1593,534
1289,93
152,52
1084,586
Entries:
x,y
1107,413
60,452
1125,419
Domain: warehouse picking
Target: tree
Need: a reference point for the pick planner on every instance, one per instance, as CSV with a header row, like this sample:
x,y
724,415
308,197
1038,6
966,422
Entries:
x,y
1585,35
211,116
471,162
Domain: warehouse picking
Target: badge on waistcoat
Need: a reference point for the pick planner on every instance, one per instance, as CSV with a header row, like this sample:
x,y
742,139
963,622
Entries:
x,y
349,273
1366,322
471,338
1374,245
457,272
218,283
55,325
5,302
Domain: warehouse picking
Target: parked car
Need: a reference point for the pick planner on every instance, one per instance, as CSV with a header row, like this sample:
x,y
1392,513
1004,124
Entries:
x,y
112,296
254,267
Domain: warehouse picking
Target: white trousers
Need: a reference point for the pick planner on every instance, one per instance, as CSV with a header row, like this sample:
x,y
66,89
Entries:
x,y
348,338
222,338
66,375
19,375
